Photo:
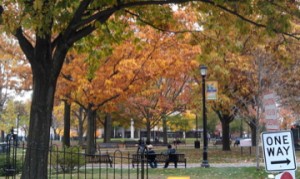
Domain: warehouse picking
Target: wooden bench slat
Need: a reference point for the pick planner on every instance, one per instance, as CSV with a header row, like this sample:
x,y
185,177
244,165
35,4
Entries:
x,y
102,158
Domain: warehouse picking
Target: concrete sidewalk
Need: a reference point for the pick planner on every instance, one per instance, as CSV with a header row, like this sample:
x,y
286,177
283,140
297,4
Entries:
x,y
190,165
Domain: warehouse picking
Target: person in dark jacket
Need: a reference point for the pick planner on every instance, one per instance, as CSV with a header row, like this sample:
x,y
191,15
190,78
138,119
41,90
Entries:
x,y
171,158
151,156
141,146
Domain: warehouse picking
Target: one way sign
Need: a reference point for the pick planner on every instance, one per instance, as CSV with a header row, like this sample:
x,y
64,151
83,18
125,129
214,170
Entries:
x,y
279,152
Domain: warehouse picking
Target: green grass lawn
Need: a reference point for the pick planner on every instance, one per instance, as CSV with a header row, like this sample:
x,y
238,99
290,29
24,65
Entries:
x,y
193,173
160,173
215,153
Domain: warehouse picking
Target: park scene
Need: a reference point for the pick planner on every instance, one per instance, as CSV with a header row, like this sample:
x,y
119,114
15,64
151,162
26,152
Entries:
x,y
138,89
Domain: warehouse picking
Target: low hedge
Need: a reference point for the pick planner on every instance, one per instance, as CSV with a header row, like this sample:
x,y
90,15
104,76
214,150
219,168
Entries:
x,y
4,164
66,159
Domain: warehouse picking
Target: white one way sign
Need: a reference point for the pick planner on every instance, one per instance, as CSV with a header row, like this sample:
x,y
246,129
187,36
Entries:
x,y
279,152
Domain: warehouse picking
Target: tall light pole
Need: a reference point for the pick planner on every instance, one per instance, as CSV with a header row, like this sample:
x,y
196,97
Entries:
x,y
203,72
197,142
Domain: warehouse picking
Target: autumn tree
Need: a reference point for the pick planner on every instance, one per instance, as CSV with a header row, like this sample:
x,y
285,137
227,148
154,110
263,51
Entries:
x,y
119,74
14,73
288,118
157,101
231,54
287,84
229,68
173,59
3,90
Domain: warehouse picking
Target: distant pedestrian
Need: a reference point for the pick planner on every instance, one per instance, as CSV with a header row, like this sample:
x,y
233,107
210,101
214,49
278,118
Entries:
x,y
208,137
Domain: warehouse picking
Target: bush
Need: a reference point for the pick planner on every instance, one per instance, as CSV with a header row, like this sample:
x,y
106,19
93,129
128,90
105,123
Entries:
x,y
4,165
67,159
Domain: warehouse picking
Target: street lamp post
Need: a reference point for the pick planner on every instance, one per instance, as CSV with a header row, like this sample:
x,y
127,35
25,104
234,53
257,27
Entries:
x,y
197,142
203,72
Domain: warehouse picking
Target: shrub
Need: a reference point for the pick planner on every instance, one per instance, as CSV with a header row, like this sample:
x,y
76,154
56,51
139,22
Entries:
x,y
4,165
67,159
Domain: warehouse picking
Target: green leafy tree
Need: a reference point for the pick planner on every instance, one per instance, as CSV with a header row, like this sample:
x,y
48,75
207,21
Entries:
x,y
180,123
8,116
15,114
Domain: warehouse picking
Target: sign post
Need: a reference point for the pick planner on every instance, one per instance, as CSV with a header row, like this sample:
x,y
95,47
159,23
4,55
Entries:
x,y
279,152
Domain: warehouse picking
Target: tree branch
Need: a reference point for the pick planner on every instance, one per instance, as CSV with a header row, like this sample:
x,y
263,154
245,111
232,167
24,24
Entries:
x,y
251,21
77,16
25,45
85,31
233,12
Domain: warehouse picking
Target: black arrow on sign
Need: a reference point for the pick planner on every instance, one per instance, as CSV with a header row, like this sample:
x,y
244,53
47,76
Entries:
x,y
287,161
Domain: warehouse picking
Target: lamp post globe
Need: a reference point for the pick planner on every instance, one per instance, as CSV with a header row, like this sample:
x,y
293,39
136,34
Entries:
x,y
203,70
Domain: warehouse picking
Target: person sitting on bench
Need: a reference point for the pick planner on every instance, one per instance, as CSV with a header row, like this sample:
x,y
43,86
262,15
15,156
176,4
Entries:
x,y
171,158
151,156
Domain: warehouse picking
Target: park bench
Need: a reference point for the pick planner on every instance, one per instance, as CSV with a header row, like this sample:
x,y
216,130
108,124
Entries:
x,y
160,159
99,158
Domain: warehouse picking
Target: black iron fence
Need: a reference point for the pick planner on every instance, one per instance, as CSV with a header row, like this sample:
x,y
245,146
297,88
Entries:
x,y
73,162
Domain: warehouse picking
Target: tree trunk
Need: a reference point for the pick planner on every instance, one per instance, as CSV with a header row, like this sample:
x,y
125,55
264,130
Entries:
x,y
148,126
253,131
165,132
2,136
67,124
107,128
226,135
80,127
36,159
241,129
91,145
225,119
